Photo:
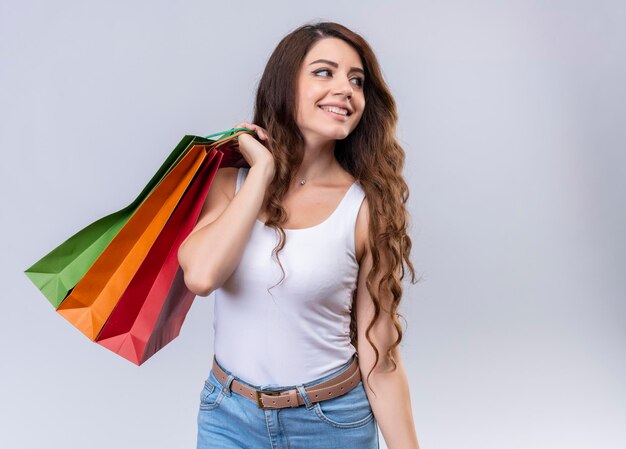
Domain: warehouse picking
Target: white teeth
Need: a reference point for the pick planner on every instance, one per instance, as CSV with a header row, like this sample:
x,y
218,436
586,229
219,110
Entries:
x,y
335,109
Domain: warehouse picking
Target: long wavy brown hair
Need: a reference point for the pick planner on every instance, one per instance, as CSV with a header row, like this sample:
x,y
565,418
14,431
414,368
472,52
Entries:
x,y
371,154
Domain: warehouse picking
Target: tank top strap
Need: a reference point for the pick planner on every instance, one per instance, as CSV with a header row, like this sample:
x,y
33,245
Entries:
x,y
241,176
345,224
353,202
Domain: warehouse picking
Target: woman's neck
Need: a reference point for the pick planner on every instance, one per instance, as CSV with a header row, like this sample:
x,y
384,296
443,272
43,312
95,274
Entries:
x,y
318,165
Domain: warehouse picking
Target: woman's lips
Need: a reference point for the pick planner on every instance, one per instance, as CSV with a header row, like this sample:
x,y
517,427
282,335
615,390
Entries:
x,y
339,117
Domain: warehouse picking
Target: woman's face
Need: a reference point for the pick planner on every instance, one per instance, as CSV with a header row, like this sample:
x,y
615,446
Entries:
x,y
331,74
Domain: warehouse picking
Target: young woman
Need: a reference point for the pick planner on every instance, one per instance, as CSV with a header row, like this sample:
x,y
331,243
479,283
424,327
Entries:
x,y
304,251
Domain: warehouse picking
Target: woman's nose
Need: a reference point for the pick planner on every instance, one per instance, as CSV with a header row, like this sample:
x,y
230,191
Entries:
x,y
343,86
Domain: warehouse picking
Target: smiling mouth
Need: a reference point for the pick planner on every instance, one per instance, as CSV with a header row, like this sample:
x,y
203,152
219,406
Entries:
x,y
347,114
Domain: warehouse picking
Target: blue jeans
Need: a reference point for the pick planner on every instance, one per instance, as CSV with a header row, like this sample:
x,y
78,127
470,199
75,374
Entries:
x,y
227,420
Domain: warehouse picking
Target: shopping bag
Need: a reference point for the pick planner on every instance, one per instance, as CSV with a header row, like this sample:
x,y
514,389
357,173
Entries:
x,y
133,322
59,271
90,302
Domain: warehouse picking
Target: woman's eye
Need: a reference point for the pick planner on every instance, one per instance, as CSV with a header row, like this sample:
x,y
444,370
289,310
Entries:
x,y
360,80
360,84
322,70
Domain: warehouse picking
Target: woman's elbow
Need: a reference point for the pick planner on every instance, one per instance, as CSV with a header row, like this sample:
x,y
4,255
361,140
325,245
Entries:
x,y
196,284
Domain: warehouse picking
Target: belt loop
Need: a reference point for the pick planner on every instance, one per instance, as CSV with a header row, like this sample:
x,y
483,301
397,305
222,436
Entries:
x,y
227,384
305,396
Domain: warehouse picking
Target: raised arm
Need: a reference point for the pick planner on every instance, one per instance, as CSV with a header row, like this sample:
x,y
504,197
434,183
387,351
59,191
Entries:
x,y
213,249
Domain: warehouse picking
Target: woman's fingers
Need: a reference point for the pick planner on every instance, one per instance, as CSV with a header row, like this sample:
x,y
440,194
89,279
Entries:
x,y
253,149
260,131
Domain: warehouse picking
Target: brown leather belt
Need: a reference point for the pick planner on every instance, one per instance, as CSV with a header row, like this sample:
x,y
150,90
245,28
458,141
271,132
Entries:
x,y
267,399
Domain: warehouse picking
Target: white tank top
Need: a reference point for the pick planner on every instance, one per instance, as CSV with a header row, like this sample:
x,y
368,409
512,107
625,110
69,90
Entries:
x,y
300,330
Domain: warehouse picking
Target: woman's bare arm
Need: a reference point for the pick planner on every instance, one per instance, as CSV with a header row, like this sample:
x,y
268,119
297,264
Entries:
x,y
213,248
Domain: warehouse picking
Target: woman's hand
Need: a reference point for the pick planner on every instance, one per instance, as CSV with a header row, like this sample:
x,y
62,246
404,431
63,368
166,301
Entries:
x,y
253,151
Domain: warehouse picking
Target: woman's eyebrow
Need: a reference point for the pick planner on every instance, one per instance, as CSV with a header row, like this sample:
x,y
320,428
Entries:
x,y
334,64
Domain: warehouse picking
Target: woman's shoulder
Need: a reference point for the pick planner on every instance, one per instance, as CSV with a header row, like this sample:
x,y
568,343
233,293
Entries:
x,y
218,197
226,180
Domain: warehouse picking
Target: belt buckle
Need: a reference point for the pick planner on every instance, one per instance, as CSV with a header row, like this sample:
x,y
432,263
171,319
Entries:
x,y
266,392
